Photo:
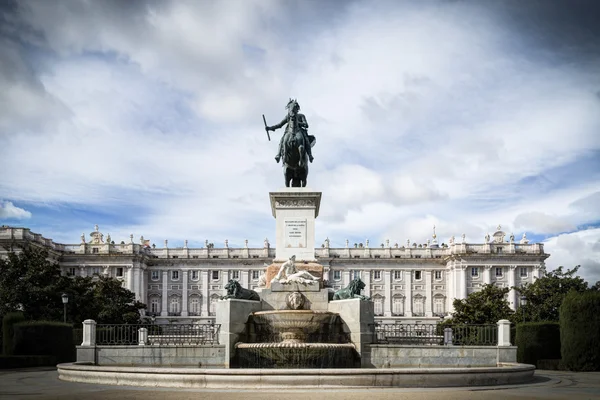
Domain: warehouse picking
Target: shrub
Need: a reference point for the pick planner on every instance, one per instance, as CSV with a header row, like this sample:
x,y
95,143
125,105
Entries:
x,y
44,338
7,330
537,341
580,331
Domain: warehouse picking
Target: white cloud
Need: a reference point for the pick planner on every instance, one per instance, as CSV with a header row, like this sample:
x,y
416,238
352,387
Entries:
x,y
540,222
577,248
9,211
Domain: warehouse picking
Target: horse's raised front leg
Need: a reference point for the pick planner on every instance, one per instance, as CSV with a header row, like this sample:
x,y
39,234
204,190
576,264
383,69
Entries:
x,y
302,156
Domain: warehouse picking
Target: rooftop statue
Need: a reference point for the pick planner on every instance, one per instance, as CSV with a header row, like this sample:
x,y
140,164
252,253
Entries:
x,y
295,145
288,273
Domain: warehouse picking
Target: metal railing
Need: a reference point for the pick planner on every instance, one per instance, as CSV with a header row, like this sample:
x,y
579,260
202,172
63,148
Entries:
x,y
173,334
433,335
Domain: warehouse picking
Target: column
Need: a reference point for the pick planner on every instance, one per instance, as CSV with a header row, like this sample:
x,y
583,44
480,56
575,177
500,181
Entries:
x,y
205,297
487,274
537,272
387,290
408,293
326,273
428,294
130,278
463,282
345,277
366,278
136,282
512,278
450,289
163,309
184,294
245,279
82,271
143,284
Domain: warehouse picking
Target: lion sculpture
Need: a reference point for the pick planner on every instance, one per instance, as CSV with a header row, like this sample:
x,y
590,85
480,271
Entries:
x,y
236,291
352,291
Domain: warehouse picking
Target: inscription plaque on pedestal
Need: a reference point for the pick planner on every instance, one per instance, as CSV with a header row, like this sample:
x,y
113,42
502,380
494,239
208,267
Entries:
x,y
295,233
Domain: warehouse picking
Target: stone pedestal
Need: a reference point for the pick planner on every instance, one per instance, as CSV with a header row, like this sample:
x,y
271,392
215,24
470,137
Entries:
x,y
359,321
315,270
232,315
295,211
275,298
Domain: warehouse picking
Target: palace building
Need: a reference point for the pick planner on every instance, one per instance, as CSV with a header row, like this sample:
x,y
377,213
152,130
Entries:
x,y
408,282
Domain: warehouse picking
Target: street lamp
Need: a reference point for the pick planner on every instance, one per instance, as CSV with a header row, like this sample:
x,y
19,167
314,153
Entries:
x,y
523,304
65,300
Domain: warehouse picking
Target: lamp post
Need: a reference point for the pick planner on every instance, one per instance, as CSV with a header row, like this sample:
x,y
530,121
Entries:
x,y
523,304
65,300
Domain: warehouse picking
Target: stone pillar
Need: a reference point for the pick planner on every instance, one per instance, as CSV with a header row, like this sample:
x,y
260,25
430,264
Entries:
x,y
428,294
408,293
142,336
82,271
326,273
359,321
487,274
184,294
512,294
366,278
463,282
232,315
450,289
130,278
504,332
245,279
89,333
537,272
143,284
345,278
447,336
205,294
164,311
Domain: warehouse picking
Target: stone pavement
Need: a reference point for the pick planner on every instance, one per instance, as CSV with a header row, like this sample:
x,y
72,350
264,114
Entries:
x,y
42,383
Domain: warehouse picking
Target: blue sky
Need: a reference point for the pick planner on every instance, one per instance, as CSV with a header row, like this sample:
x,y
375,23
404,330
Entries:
x,y
144,117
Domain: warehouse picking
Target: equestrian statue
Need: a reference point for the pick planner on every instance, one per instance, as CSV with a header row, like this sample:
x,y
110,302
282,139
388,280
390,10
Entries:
x,y
295,146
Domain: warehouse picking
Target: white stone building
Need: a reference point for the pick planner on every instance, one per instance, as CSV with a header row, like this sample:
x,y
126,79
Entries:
x,y
408,281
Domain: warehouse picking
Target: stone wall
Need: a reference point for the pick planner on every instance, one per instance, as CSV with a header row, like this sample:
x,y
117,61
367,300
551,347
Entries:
x,y
400,356
192,356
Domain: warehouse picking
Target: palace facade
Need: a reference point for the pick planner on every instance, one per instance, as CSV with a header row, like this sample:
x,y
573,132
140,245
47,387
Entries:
x,y
408,282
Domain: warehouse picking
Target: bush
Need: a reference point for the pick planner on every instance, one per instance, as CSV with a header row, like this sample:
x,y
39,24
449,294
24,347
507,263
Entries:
x,y
537,341
7,331
45,338
580,331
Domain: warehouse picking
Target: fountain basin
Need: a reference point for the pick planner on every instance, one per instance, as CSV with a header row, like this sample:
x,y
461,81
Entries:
x,y
296,355
295,326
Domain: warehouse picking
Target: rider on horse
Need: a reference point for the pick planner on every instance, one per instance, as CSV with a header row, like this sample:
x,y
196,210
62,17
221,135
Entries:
x,y
295,122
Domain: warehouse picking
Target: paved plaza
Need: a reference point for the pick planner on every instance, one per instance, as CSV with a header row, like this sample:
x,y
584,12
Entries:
x,y
42,383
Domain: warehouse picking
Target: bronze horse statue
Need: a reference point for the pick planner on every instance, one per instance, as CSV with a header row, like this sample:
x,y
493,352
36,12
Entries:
x,y
295,159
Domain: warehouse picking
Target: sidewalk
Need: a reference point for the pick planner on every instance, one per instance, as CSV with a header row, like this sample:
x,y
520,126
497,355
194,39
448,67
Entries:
x,y
42,383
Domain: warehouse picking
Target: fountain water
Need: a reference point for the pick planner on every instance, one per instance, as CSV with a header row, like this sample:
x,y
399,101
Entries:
x,y
296,339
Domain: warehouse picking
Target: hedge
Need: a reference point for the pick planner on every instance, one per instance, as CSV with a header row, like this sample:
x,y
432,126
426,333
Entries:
x,y
7,331
45,338
580,331
537,341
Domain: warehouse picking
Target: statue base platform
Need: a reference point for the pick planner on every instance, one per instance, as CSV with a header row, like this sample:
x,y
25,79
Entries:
x,y
295,287
315,270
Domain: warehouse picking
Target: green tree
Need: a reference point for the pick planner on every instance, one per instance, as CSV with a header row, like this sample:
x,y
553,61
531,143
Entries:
x,y
487,306
545,295
30,282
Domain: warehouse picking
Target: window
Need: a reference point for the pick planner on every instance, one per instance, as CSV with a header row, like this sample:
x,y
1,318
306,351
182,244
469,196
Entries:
x,y
154,305
235,275
355,274
254,256
418,306
95,250
194,256
499,272
215,275
255,275
499,250
398,275
378,256
438,275
194,306
96,270
439,306
378,303
398,306
236,257
195,275
377,275
523,272
120,272
213,305
174,275
71,271
337,275
417,275
356,256
215,256
175,257
475,272
174,305
154,275
417,256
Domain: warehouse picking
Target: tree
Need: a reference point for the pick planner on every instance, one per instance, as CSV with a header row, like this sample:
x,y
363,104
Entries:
x,y
487,306
545,295
33,284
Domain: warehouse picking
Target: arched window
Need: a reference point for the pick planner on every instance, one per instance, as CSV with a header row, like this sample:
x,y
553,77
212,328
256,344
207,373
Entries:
x,y
418,306
155,304
174,306
213,304
378,304
439,305
398,305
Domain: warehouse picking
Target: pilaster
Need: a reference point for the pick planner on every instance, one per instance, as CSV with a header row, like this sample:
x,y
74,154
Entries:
x,y
163,309
408,293
184,295
428,294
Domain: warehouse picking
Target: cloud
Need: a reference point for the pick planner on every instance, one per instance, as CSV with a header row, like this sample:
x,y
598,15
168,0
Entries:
x,y
9,211
539,222
577,248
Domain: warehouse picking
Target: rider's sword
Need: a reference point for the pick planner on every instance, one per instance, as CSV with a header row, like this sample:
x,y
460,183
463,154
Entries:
x,y
265,121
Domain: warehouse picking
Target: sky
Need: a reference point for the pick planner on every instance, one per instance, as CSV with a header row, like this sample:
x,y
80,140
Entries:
x,y
144,117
